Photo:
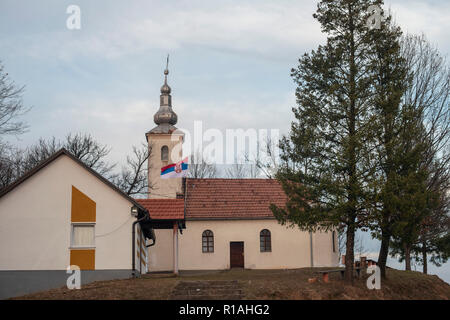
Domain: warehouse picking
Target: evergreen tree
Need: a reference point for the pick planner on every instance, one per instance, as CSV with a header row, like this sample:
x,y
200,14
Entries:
x,y
411,200
435,229
427,98
423,226
389,84
325,167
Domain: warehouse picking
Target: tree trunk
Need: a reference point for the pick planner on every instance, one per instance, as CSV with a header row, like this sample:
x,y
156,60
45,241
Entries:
x,y
424,257
349,254
349,250
407,258
384,250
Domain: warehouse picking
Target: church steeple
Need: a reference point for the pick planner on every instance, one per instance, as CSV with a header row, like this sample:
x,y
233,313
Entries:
x,y
165,117
166,143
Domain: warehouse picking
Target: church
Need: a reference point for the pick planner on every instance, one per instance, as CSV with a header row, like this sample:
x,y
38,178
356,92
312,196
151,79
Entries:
x,y
218,224
63,216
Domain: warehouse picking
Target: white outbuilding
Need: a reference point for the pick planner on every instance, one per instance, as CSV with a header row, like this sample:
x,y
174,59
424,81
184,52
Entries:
x,y
62,213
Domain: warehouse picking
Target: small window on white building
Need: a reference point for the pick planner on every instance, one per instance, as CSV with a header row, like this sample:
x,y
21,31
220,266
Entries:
x,y
207,241
265,241
83,235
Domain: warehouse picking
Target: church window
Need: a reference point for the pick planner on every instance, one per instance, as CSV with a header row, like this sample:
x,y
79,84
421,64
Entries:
x,y
265,241
208,241
165,153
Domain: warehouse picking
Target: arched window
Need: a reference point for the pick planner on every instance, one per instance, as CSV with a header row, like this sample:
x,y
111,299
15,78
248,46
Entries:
x,y
207,241
265,241
165,153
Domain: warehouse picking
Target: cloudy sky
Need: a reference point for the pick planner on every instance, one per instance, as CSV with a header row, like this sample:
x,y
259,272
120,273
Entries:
x,y
229,62
229,65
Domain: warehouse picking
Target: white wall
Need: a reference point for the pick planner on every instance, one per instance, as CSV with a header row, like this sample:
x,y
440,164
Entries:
x,y
35,220
161,254
323,250
290,247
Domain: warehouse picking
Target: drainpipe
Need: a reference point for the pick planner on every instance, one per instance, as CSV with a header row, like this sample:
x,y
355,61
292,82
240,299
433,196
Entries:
x,y
175,248
311,248
151,244
154,240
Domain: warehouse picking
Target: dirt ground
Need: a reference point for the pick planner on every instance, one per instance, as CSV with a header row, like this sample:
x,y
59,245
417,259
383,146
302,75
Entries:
x,y
264,284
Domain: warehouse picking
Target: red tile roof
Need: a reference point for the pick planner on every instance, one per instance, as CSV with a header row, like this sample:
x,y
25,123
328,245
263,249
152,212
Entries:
x,y
220,199
232,198
172,209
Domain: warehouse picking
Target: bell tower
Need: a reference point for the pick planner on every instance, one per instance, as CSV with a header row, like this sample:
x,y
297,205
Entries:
x,y
165,141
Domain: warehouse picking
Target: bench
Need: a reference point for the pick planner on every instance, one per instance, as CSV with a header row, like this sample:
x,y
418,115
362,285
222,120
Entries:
x,y
325,273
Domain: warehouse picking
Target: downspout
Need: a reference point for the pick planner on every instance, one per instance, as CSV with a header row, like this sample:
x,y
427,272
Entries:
x,y
185,196
311,248
154,240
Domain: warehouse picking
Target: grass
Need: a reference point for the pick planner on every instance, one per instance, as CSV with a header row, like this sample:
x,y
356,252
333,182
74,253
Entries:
x,y
265,284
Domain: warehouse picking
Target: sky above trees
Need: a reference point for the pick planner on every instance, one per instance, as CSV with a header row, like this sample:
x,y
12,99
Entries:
x,y
229,66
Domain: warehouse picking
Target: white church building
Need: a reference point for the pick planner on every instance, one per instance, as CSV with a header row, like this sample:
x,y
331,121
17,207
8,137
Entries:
x,y
63,214
218,224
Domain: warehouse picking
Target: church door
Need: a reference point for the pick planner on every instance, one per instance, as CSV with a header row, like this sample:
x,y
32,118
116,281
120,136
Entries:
x,y
236,254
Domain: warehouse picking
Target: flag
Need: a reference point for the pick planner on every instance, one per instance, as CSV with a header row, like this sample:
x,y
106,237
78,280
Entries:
x,y
175,170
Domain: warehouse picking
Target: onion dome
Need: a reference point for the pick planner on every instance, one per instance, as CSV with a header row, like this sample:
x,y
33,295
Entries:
x,y
165,114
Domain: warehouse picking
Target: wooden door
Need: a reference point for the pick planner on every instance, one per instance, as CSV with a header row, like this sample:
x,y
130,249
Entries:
x,y
236,254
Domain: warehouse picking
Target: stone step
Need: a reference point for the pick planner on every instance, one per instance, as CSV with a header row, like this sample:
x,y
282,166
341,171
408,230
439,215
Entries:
x,y
206,297
204,287
209,282
207,292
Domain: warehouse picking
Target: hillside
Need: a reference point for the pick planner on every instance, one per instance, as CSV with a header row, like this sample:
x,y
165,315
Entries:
x,y
262,284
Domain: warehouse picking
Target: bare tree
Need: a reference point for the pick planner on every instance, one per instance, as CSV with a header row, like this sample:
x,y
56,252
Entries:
x,y
428,92
359,245
267,159
200,168
250,167
429,87
11,105
15,162
360,249
10,164
133,179
253,171
236,171
243,169
82,146
92,153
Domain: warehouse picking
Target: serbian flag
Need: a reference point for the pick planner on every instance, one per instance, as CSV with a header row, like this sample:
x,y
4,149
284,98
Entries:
x,y
175,170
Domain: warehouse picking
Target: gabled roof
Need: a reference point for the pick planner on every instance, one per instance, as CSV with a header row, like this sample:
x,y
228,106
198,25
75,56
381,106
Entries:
x,y
164,209
55,156
220,199
209,199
